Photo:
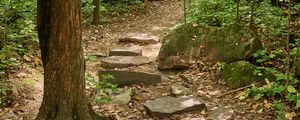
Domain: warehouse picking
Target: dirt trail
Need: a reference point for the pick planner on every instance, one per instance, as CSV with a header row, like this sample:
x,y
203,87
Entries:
x,y
156,19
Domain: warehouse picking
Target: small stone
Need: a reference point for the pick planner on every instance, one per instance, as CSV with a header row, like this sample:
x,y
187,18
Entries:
x,y
165,78
140,38
221,113
123,61
167,106
122,51
123,98
127,78
178,90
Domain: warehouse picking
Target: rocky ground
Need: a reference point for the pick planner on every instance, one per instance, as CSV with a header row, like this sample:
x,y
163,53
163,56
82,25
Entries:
x,y
197,93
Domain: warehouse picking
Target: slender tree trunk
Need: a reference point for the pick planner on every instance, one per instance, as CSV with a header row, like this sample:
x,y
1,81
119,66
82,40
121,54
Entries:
x,y
96,15
288,43
59,33
238,11
251,24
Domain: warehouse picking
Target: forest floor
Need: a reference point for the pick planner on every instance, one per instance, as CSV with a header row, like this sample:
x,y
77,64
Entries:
x,y
156,18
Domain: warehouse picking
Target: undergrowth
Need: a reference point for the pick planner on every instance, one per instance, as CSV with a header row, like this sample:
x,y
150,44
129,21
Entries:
x,y
270,22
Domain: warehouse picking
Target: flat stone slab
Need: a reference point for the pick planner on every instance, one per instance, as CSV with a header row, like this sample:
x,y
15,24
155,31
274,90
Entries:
x,y
125,51
167,106
123,61
140,38
221,113
127,78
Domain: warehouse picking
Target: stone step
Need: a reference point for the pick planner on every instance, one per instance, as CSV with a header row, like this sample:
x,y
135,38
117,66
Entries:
x,y
125,51
123,61
140,38
167,106
127,78
221,113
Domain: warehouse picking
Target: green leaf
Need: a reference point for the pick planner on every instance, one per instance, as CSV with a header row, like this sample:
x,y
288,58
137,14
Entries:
x,y
291,97
280,76
298,103
258,96
104,100
291,89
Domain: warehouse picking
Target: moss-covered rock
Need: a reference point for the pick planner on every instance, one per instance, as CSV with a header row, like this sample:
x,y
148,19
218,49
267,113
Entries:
x,y
226,44
229,44
177,45
243,73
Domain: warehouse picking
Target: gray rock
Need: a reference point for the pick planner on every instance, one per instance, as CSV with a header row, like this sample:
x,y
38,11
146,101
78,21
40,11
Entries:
x,y
127,78
123,61
167,106
176,48
228,44
187,79
221,113
178,90
140,38
165,78
123,98
123,51
188,41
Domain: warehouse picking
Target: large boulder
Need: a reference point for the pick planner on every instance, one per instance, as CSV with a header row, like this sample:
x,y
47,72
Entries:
x,y
229,44
127,78
243,73
176,47
190,40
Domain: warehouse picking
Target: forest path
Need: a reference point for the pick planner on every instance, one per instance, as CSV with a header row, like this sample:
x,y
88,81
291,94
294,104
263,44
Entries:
x,y
202,79
157,18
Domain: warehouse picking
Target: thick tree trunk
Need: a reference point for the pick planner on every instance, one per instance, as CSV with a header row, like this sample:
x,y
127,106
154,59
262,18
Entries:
x,y
59,32
96,15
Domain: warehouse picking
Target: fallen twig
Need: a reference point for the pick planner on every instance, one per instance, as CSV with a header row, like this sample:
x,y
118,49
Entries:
x,y
239,89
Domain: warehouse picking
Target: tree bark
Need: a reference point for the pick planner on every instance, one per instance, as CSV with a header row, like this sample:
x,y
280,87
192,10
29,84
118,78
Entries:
x,y
96,15
238,11
59,32
251,24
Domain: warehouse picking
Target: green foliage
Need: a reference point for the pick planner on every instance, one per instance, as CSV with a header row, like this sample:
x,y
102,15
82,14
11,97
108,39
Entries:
x,y
106,7
268,19
102,88
90,58
3,93
87,8
17,31
212,12
279,93
262,56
